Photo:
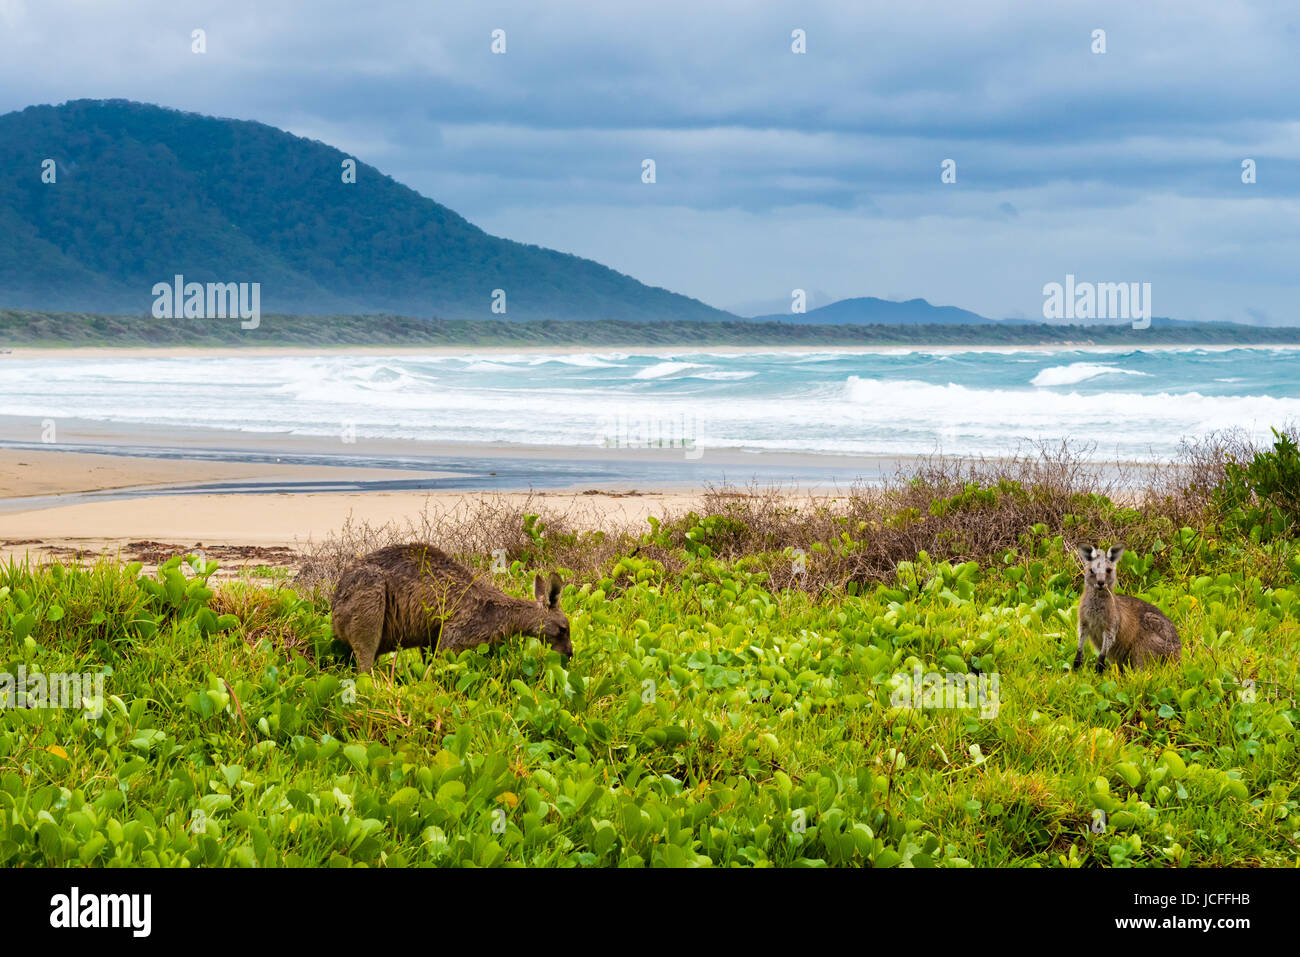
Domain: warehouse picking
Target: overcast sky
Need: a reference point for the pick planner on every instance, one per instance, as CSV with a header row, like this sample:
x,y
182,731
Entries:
x,y
775,170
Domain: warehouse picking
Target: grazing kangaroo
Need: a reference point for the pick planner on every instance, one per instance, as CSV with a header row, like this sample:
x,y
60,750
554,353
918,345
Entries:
x,y
1123,629
416,596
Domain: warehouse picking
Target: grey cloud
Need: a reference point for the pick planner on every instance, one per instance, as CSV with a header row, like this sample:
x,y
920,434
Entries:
x,y
820,170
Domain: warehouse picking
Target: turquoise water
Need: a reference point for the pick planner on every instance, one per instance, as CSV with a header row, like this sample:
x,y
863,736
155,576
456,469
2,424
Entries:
x,y
1131,404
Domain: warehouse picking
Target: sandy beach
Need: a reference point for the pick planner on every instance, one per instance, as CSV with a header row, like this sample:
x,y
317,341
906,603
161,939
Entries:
x,y
70,504
269,529
81,486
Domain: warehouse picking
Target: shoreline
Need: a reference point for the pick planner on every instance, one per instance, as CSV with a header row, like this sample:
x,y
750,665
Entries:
x,y
198,352
276,529
259,499
150,441
105,460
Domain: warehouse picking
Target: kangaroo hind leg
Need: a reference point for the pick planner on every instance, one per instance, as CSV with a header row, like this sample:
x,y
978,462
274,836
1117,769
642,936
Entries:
x,y
363,626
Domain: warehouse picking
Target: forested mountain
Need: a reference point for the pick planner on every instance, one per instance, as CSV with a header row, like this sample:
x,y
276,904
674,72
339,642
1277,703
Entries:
x,y
142,193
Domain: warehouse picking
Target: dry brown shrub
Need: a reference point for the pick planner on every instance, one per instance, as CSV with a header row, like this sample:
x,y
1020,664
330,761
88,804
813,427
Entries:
x,y
1062,487
474,528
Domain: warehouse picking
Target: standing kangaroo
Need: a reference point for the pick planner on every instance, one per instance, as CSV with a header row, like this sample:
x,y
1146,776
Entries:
x,y
1122,628
416,596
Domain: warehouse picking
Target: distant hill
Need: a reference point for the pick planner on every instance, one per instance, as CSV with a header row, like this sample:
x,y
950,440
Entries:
x,y
143,193
870,310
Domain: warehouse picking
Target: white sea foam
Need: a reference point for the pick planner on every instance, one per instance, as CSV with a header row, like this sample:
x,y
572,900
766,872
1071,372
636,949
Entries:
x,y
661,370
724,376
1077,372
896,404
1130,418
586,360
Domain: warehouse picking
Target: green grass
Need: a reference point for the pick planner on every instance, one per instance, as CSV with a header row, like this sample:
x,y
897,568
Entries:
x,y
705,719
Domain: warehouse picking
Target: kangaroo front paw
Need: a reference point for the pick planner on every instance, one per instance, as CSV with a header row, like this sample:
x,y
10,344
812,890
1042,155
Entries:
x,y
1101,665
1078,660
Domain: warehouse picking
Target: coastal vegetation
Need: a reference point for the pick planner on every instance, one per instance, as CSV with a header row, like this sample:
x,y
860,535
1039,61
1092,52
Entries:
x,y
741,692
52,329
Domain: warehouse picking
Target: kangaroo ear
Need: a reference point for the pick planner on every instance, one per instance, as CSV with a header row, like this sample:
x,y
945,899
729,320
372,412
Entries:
x,y
1086,553
1115,552
556,586
539,589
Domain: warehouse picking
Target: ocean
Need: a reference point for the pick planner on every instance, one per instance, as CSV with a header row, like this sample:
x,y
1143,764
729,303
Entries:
x,y
1135,404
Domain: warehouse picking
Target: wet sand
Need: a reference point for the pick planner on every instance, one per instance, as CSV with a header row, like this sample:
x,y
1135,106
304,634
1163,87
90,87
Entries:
x,y
256,499
137,492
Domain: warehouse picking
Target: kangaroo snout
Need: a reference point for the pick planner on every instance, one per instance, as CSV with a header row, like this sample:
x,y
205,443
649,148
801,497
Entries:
x,y
555,624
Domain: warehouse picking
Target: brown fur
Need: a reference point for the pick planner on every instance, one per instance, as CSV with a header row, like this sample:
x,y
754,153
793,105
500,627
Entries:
x,y
1123,629
416,596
